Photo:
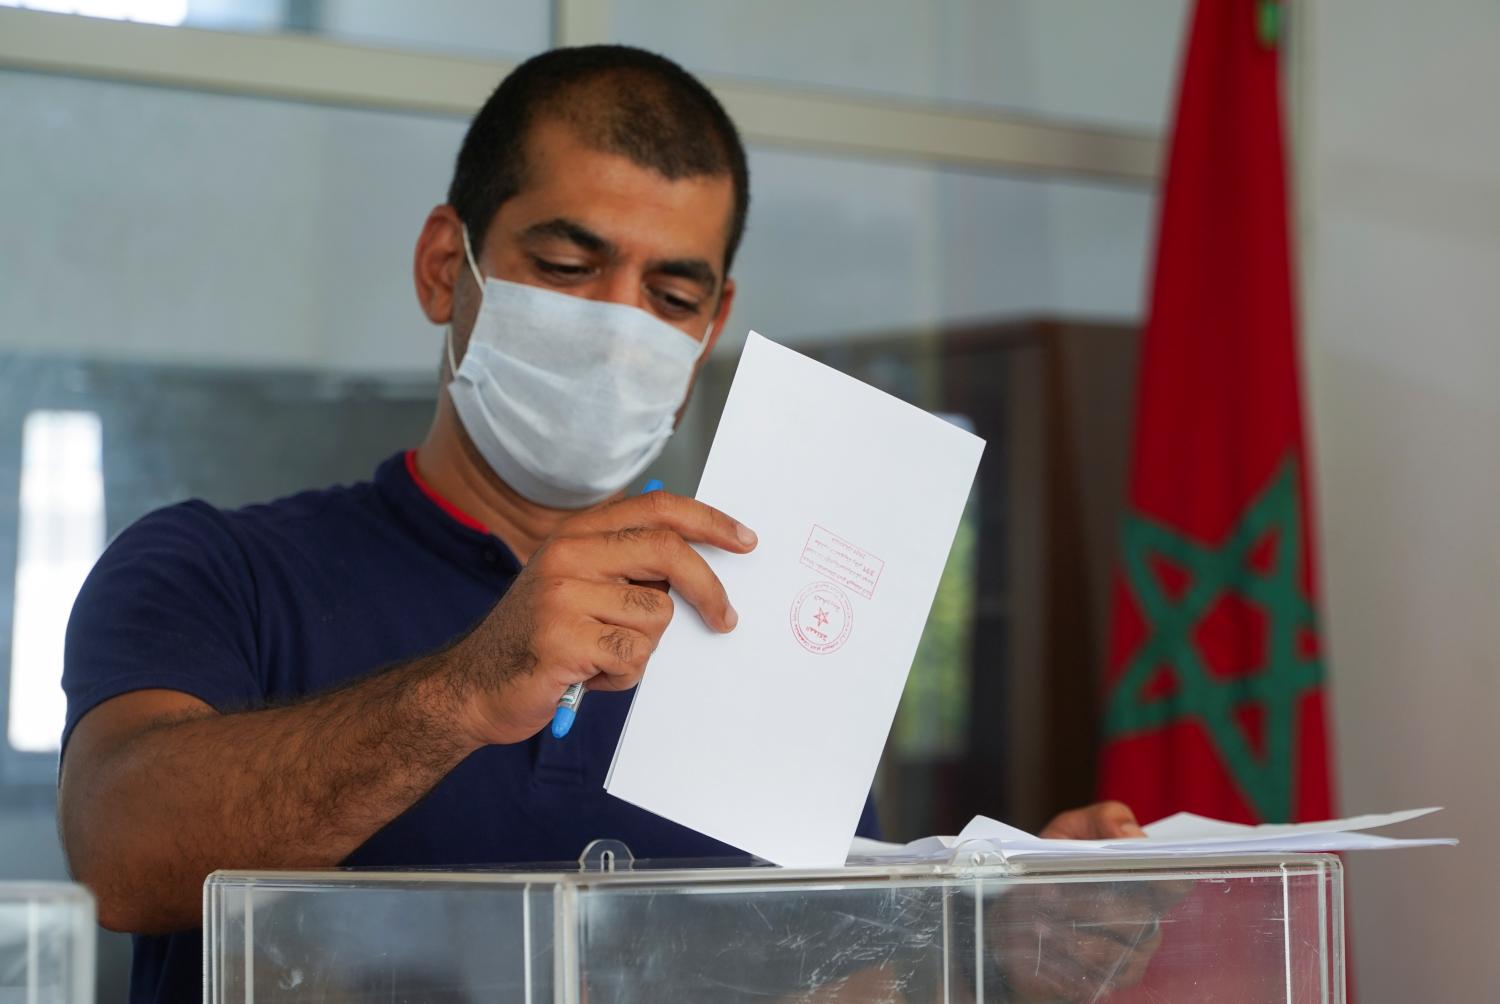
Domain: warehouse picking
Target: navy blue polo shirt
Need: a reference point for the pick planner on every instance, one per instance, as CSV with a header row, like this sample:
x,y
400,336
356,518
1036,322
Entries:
x,y
273,602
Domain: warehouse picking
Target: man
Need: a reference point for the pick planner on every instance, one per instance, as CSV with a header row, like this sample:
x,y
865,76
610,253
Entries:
x,y
362,675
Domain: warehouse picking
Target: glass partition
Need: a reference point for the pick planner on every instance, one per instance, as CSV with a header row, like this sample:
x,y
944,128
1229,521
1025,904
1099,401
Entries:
x,y
1067,60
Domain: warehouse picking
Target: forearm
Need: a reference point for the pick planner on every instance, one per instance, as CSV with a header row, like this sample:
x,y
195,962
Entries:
x,y
291,787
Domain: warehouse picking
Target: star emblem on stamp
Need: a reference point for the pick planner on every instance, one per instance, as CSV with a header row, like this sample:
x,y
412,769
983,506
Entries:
x,y
821,618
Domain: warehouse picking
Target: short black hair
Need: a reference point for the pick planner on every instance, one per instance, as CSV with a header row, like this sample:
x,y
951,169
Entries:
x,y
620,99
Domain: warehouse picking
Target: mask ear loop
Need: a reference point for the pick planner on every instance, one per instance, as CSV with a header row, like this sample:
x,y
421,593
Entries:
x,y
448,346
703,344
702,351
707,336
479,281
469,257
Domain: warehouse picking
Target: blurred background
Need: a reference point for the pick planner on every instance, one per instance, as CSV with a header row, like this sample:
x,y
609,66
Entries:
x,y
207,213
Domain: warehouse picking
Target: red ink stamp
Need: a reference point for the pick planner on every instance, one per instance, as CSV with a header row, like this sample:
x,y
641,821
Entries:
x,y
846,563
822,618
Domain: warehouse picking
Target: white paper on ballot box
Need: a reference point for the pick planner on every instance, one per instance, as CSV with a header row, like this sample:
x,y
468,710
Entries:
x,y
767,738
1180,835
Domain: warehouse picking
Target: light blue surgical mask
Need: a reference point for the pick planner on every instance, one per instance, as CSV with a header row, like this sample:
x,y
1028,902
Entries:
x,y
568,399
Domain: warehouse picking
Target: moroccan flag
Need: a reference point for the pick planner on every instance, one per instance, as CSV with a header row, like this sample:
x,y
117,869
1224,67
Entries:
x,y
1214,700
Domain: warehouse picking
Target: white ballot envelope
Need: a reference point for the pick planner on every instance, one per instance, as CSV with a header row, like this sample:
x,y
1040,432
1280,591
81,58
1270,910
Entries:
x,y
767,738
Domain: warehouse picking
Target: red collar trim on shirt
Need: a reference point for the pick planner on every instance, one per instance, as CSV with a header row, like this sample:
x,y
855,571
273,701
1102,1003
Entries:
x,y
452,511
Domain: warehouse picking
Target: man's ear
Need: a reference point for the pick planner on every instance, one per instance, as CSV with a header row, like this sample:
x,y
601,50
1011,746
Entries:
x,y
438,262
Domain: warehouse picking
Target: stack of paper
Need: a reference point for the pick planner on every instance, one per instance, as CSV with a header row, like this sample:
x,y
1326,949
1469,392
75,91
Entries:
x,y
1182,835
767,738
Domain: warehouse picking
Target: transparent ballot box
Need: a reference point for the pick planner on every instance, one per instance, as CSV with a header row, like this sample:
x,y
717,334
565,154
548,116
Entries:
x,y
46,943
1241,931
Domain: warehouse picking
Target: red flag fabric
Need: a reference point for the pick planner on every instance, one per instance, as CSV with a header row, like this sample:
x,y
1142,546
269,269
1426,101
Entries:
x,y
1214,697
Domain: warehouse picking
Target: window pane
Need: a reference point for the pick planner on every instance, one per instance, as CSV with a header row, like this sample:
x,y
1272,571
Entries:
x,y
326,220
225,231
1083,60
164,12
514,28
839,245
60,536
510,28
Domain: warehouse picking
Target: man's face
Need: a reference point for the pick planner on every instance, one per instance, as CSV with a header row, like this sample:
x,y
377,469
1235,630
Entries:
x,y
600,226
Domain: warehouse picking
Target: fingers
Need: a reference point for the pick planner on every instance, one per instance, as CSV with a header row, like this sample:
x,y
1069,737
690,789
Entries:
x,y
638,606
611,682
647,538
1056,942
1100,821
1166,895
1114,820
1048,959
645,554
1117,910
688,518
591,606
603,656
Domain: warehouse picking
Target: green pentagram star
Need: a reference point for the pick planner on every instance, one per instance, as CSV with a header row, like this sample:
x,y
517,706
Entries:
x,y
1266,781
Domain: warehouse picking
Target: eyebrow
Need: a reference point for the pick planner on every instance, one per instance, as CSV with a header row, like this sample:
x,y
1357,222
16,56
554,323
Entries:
x,y
693,269
571,231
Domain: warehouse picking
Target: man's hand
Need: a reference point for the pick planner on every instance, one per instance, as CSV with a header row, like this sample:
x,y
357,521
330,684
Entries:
x,y
1100,821
1076,941
583,610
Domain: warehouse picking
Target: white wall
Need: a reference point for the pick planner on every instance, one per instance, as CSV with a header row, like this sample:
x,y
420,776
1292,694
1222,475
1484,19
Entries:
x,y
1403,340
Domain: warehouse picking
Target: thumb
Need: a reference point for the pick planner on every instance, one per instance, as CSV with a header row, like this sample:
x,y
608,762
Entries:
x,y
1100,821
1117,820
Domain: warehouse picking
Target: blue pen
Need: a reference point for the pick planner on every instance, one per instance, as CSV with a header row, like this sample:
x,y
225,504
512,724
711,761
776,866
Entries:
x,y
567,704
